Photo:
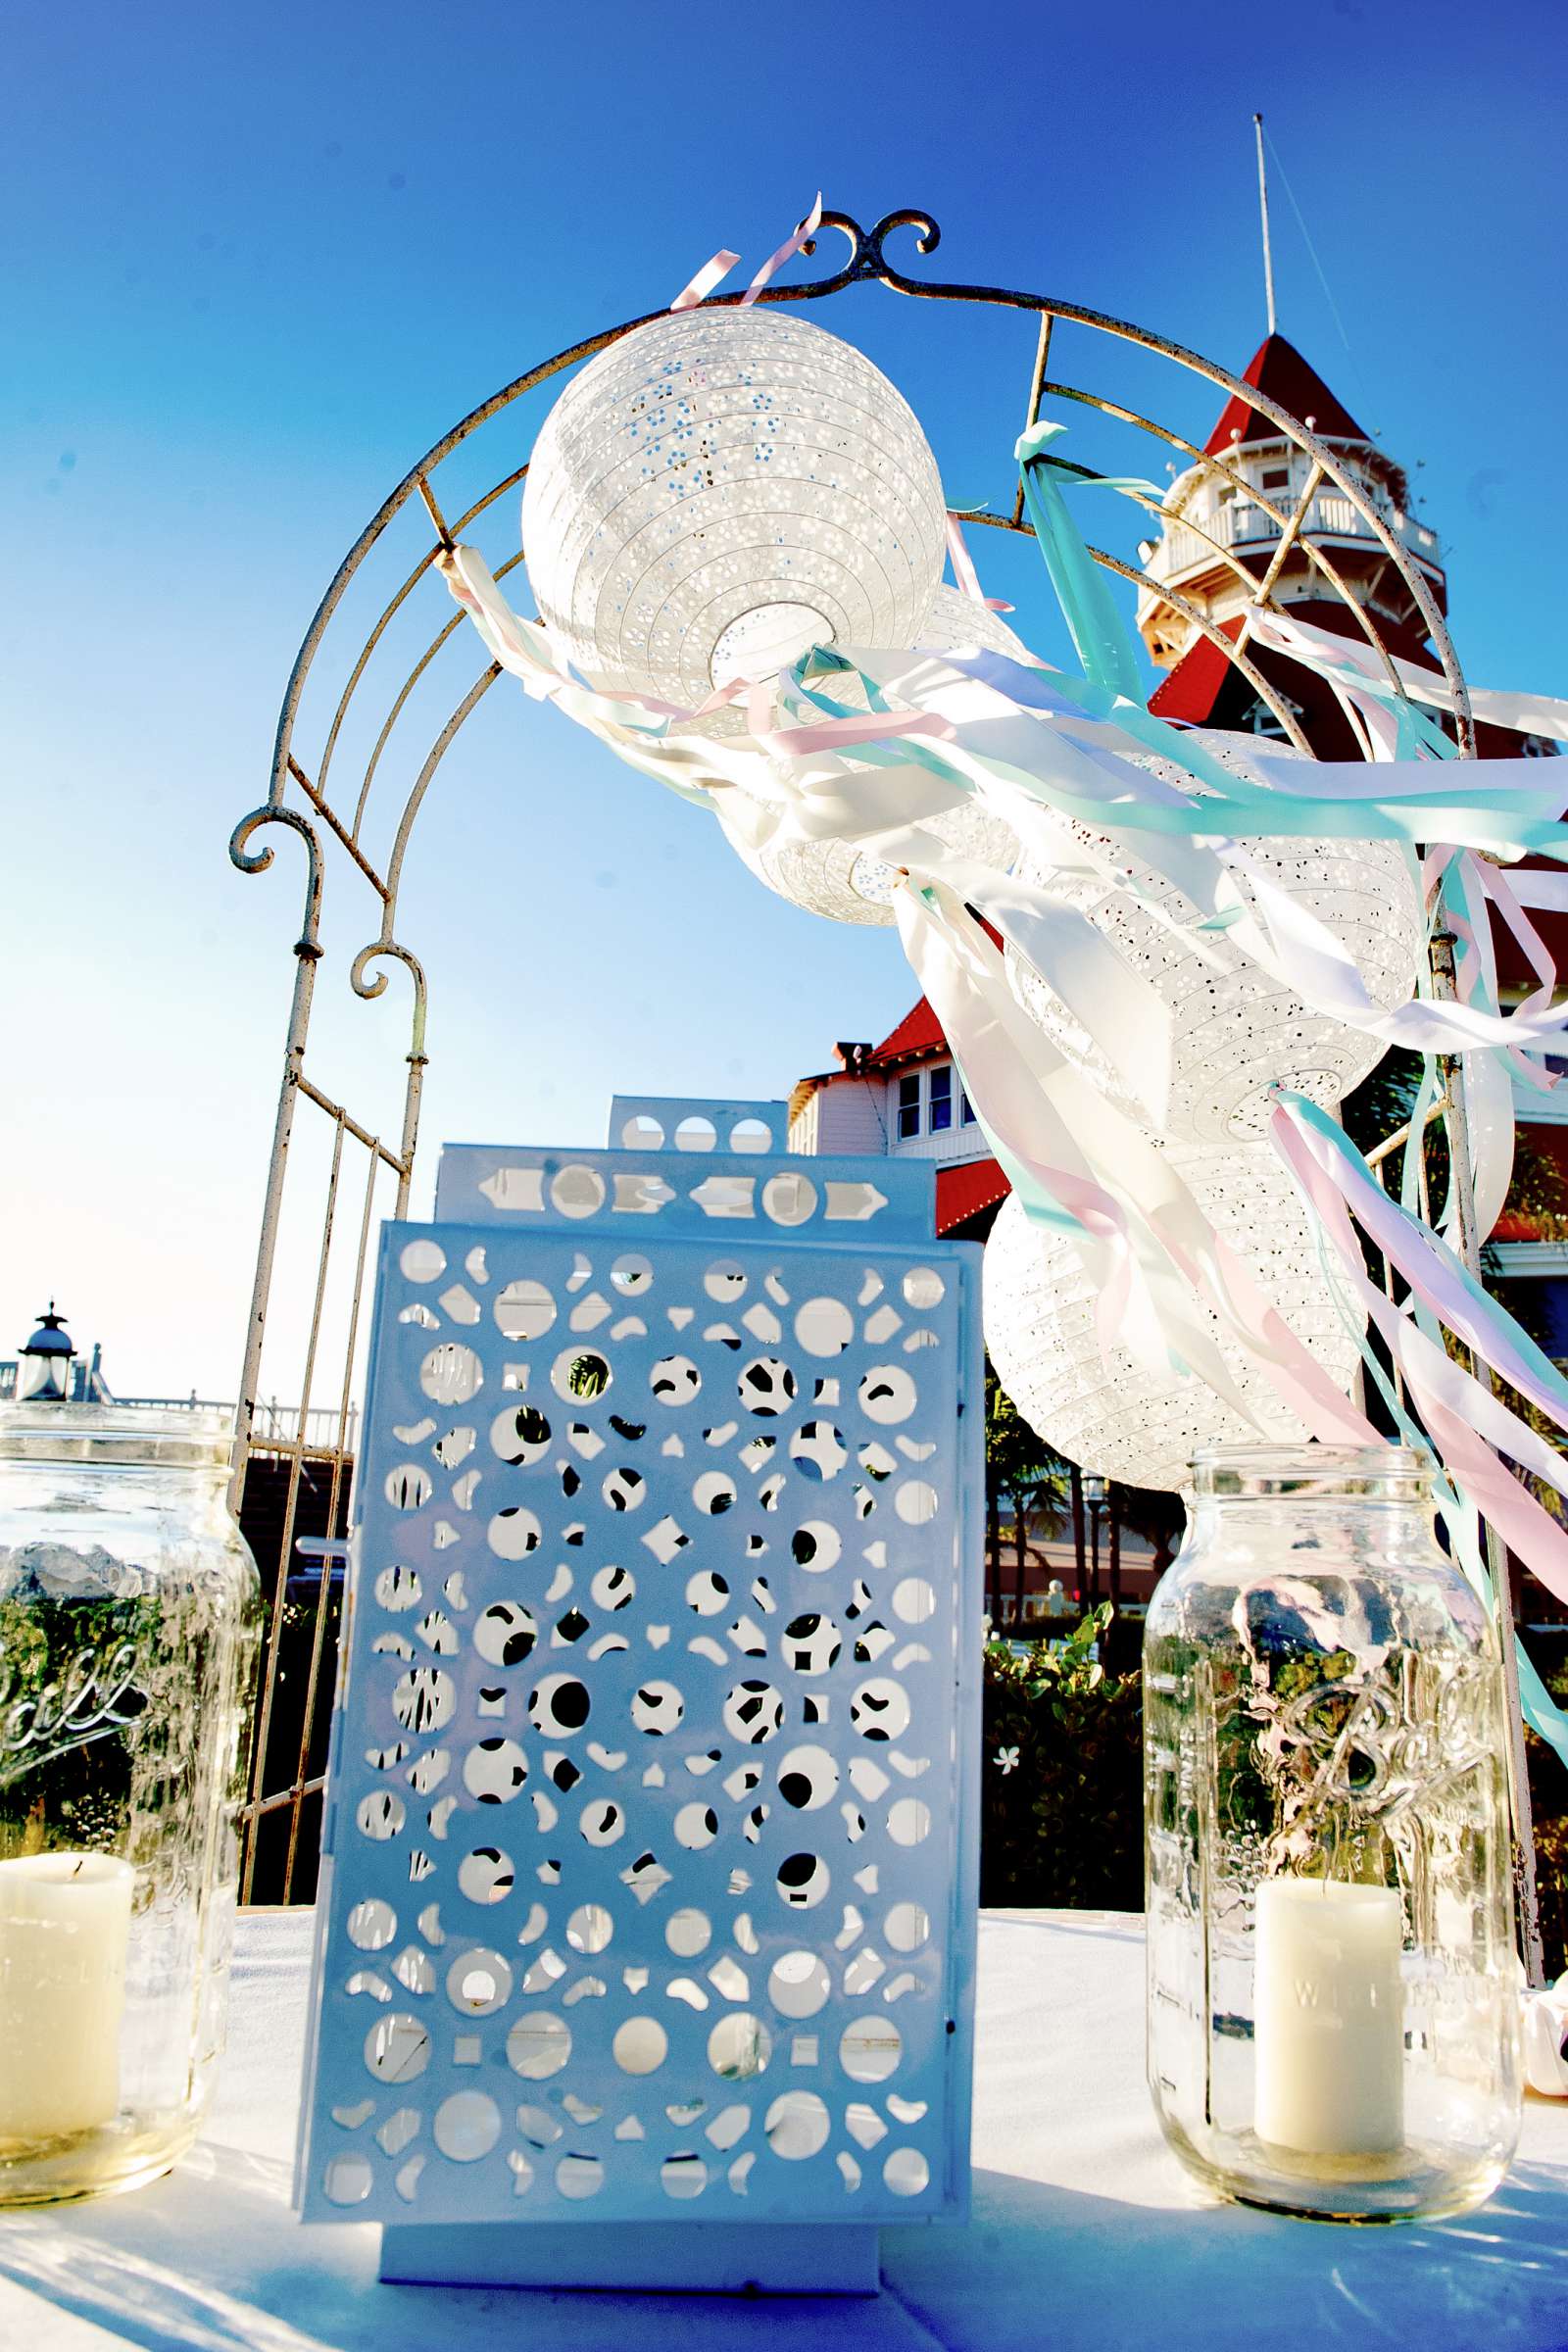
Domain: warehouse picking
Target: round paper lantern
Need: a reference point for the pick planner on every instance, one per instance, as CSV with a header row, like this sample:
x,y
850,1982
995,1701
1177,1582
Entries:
x,y
1236,1030
848,884
721,489
1117,1418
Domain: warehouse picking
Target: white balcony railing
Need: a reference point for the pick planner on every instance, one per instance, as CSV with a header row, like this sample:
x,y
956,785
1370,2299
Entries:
x,y
1239,525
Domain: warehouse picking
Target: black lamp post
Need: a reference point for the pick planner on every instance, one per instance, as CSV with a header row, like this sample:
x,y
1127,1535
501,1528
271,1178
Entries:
x,y
44,1366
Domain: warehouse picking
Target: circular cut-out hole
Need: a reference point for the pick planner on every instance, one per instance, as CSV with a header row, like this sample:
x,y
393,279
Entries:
x,y
623,1490
579,2177
908,1821
675,1380
923,1286
817,1545
657,1708
380,1815
888,1394
739,2046
804,1881
486,1876
371,1924
819,1449
906,1927
613,1588
915,1502
451,1374
398,1588
524,1311
824,1327
906,2172
696,1134
870,2048
632,1274
683,2176
713,1492
590,1928
539,2128
688,1932
397,2047
914,1600
696,1826
753,1712
707,1592
494,1770
641,2044
788,1200
797,2126
506,1632
409,1487
807,1779
580,1374
749,1135
799,1984
642,1132
724,1281
602,1822
811,1644
558,1705
880,1709
423,1699
512,1535
422,1261
479,1982
519,1435
347,2180
578,1191
766,1387
538,2045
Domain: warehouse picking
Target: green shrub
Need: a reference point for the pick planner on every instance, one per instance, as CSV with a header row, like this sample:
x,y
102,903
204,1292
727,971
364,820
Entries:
x,y
1061,1809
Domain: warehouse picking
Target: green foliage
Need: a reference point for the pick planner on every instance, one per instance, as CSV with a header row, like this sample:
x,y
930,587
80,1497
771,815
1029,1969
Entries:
x,y
1018,1461
1061,1778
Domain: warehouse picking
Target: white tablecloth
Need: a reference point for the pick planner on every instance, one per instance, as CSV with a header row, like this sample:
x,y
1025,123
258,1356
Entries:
x,y
1085,2232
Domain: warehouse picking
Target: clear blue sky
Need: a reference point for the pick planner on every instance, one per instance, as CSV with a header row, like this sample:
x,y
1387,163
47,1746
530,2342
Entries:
x,y
258,258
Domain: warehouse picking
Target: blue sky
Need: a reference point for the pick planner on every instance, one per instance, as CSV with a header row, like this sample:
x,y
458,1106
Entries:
x,y
257,260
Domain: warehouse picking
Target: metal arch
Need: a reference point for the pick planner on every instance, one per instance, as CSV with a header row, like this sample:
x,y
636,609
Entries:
x,y
297,1772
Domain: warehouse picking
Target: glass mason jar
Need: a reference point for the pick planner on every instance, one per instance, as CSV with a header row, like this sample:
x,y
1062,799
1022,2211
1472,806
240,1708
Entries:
x,y
1333,1994
129,1612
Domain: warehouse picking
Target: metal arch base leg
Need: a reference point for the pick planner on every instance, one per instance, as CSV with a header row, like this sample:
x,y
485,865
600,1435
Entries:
x,y
702,2258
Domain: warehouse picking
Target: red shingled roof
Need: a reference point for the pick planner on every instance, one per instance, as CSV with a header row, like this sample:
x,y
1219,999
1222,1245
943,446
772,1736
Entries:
x,y
919,1032
1278,369
963,1192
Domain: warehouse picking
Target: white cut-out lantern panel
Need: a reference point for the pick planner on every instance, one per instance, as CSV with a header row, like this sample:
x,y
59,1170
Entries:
x,y
847,883
1118,1418
1236,1031
718,491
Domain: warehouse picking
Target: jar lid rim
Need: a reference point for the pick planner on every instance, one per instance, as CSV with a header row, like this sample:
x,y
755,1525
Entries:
x,y
1308,1469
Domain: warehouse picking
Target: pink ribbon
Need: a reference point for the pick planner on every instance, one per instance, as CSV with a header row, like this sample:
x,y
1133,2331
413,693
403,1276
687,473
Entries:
x,y
963,570
713,272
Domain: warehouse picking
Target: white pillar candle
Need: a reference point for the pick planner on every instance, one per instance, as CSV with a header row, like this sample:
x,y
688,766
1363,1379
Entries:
x,y
65,1921
1328,2019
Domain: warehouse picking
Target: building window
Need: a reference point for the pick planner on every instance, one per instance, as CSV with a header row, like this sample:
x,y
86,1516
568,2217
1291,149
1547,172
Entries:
x,y
965,1110
1276,477
910,1105
941,1097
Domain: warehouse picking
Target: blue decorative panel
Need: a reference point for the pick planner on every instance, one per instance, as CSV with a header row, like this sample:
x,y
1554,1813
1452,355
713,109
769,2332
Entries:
x,y
650,1890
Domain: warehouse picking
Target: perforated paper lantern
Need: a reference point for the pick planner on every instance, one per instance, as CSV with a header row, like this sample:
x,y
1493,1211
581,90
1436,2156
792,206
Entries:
x,y
1236,1030
1121,1420
721,490
653,1887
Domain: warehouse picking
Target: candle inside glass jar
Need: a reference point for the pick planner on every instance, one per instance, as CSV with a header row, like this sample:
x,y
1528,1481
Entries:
x,y
1328,2018
65,1922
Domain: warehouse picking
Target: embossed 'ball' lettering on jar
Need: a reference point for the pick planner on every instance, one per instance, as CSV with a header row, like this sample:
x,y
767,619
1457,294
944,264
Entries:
x,y
130,1613
1332,1992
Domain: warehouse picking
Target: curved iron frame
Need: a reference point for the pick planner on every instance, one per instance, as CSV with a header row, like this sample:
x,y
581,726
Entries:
x,y
318,823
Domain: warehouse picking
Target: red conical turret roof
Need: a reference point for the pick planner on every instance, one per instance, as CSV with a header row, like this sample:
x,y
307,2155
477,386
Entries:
x,y
1278,369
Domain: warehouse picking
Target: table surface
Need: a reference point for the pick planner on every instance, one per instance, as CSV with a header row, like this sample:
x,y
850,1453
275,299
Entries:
x,y
1085,2232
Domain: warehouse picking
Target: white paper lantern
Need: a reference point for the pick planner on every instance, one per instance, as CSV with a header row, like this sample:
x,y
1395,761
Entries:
x,y
721,489
848,884
1120,1419
1236,1030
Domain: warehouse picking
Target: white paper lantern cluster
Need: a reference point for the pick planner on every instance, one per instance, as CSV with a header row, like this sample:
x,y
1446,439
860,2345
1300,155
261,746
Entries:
x,y
721,489
1236,1030
1112,1415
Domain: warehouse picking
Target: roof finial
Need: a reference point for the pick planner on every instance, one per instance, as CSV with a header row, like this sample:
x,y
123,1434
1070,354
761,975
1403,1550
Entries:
x,y
1262,207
